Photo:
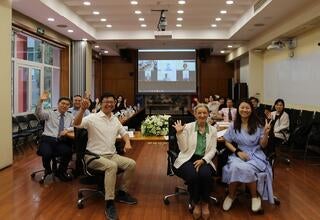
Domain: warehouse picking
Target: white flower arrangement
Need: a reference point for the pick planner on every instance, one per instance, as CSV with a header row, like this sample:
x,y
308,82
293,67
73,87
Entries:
x,y
155,125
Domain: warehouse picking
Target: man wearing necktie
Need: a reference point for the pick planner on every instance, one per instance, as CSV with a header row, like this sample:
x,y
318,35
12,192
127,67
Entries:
x,y
53,142
228,113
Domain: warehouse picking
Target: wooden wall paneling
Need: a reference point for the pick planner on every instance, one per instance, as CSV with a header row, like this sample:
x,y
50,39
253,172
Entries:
x,y
64,76
118,76
214,75
97,77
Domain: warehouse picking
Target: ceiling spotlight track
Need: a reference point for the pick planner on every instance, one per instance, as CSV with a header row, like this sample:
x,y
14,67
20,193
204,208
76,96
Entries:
x,y
162,23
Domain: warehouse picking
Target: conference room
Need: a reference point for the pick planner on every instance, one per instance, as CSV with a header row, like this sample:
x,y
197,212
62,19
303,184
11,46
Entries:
x,y
157,58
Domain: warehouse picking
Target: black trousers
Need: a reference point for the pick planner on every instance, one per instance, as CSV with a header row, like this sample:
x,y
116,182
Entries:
x,y
51,147
199,183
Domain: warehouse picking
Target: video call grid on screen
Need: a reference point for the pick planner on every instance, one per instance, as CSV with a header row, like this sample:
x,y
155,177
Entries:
x,y
167,71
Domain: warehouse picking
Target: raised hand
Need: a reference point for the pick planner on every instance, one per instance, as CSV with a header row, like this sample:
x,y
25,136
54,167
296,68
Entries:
x,y
85,104
267,126
44,96
178,126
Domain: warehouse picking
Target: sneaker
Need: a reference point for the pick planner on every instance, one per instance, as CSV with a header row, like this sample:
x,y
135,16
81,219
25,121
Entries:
x,y
227,203
126,198
111,212
256,204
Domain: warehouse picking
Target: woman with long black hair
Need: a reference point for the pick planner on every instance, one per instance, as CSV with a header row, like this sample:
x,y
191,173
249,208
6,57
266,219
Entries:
x,y
246,138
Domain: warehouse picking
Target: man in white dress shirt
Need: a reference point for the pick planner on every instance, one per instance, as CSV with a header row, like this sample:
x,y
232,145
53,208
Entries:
x,y
103,128
229,113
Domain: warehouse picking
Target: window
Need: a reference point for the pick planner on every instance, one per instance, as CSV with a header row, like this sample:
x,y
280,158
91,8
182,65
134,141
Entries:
x,y
28,48
36,68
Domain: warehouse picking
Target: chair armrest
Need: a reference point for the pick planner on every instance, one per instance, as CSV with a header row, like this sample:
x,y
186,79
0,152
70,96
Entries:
x,y
95,156
172,156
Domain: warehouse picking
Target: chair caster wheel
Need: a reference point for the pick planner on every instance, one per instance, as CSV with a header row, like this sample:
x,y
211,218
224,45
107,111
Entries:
x,y
166,201
33,175
80,204
41,181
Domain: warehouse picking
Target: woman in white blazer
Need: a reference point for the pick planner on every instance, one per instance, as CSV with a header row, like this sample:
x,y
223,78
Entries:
x,y
197,143
281,122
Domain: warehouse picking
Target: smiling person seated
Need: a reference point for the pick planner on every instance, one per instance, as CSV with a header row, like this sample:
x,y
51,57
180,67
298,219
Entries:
x,y
52,142
103,128
248,160
197,142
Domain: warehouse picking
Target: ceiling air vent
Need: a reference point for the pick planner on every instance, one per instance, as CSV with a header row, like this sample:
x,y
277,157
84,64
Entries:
x,y
259,4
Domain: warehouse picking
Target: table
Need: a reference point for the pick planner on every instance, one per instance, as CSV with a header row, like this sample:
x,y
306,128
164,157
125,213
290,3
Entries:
x,y
139,137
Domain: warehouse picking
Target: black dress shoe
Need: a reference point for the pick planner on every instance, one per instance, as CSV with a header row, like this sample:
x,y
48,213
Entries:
x,y
111,212
64,176
126,198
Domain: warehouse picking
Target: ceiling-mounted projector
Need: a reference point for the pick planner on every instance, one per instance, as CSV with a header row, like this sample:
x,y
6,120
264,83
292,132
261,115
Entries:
x,y
276,45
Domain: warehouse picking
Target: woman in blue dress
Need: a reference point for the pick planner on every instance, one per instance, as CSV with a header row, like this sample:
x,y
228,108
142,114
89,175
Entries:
x,y
248,163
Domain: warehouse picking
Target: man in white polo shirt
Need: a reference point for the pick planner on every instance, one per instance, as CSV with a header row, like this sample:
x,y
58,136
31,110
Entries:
x,y
103,128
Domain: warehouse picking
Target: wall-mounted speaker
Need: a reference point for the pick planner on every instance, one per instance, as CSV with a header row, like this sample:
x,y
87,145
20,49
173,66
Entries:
x,y
204,53
125,54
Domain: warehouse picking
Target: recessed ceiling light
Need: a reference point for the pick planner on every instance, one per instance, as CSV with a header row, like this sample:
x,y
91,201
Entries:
x,y
180,11
179,25
95,12
87,3
218,19
70,31
222,51
223,12
137,12
141,19
143,25
50,19
103,19
213,25
181,2
133,2
84,39
179,19
229,2
96,46
105,51
229,46
109,26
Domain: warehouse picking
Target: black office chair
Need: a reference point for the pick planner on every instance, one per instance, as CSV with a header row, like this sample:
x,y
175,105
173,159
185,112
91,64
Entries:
x,y
313,139
173,152
18,136
35,126
93,176
299,136
89,176
20,133
317,116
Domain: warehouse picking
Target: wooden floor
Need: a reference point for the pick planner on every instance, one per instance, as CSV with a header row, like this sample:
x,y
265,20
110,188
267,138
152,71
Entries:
x,y
297,185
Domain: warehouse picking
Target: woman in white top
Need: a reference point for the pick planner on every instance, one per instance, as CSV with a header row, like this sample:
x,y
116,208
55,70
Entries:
x,y
281,122
197,142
